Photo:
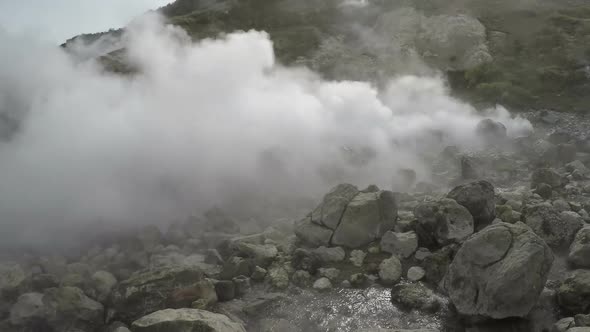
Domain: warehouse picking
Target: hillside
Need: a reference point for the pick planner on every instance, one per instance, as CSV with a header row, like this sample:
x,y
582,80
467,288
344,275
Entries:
x,y
530,54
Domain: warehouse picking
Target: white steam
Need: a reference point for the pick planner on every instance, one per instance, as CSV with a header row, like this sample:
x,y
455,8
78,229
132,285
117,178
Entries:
x,y
202,121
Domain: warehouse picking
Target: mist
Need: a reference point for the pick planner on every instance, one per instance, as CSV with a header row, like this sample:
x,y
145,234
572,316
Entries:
x,y
202,123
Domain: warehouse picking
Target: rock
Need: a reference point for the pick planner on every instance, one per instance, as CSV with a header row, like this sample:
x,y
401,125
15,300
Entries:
x,y
150,237
563,324
330,273
70,308
359,280
301,278
357,257
216,220
307,260
579,254
242,284
102,282
258,274
574,293
579,329
262,255
491,131
468,169
422,253
225,290
279,277
235,266
499,272
544,190
329,255
557,229
561,205
443,222
390,270
212,256
479,198
577,165
185,320
437,263
276,325
366,218
414,296
416,273
329,212
28,307
548,176
312,234
402,244
322,284
149,291
582,320
11,276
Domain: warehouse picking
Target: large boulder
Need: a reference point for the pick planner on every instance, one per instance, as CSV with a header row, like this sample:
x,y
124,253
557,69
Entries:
x,y
330,211
556,228
579,254
312,234
574,293
149,291
499,272
443,222
185,320
366,218
478,197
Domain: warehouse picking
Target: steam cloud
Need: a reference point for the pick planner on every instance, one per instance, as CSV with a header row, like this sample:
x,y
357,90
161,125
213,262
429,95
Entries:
x,y
202,122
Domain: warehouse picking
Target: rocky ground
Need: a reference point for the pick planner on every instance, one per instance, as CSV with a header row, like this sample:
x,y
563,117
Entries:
x,y
505,249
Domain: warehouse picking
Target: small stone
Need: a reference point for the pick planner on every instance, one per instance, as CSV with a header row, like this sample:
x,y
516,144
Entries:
x,y
563,324
279,277
242,285
345,284
330,273
401,244
301,278
330,255
374,250
359,280
357,257
258,274
422,253
561,205
322,284
416,273
390,270
225,290
212,256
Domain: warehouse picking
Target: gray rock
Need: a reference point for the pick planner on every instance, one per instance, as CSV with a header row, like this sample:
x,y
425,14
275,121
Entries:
x,y
414,296
492,131
422,253
149,291
102,283
242,284
479,198
557,229
322,284
258,274
279,277
416,273
70,308
330,211
561,205
548,176
212,256
579,329
185,320
579,254
28,307
574,293
582,320
577,165
236,266
301,278
390,270
330,273
225,290
357,257
276,325
330,255
366,218
443,222
499,272
563,324
402,244
261,255
312,234
544,190
11,276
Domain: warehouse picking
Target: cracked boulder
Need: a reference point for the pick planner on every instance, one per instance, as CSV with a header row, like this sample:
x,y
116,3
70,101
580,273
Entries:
x,y
349,218
479,198
499,272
